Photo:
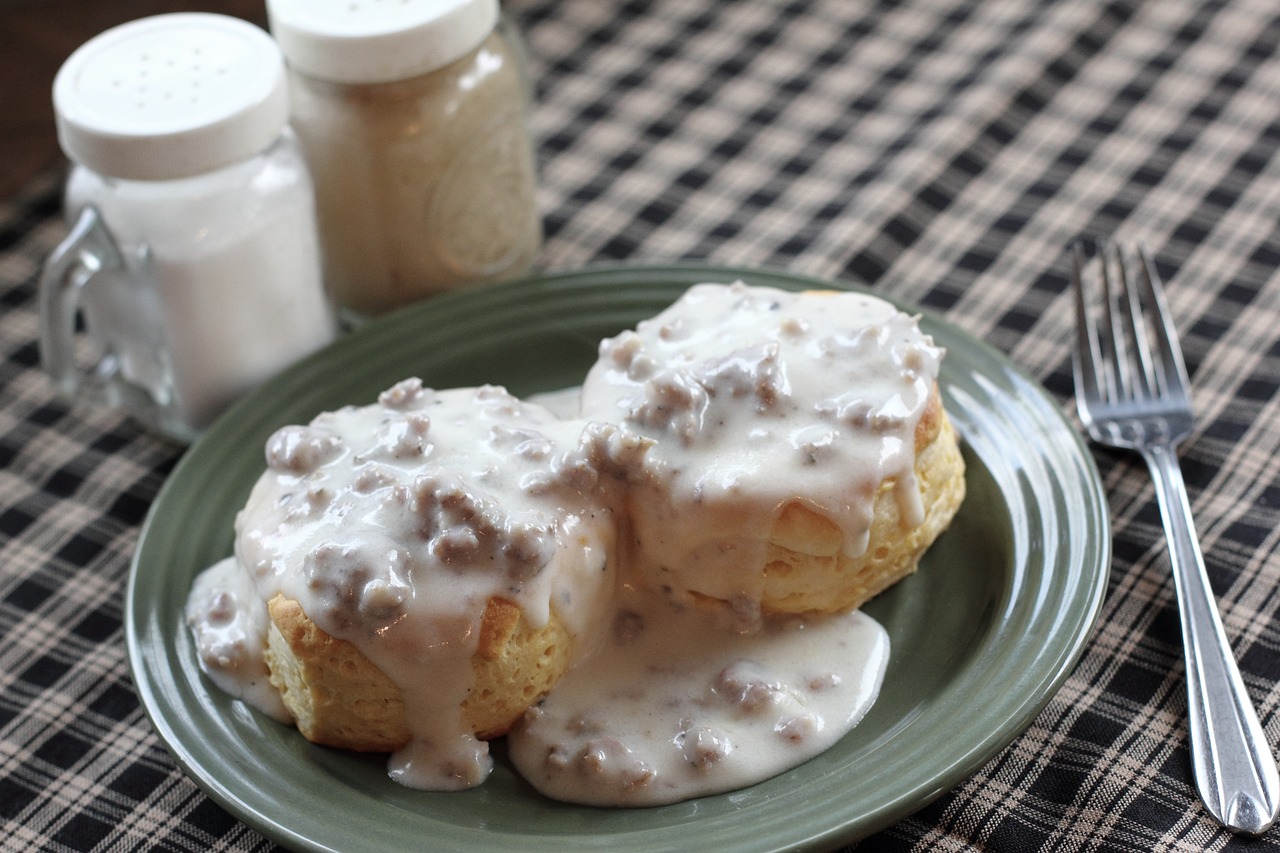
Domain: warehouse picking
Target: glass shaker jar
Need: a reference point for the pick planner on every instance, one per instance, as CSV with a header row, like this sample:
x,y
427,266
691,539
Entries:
x,y
414,118
194,256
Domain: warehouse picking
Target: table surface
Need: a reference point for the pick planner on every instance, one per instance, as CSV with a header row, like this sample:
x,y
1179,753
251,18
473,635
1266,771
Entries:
x,y
942,152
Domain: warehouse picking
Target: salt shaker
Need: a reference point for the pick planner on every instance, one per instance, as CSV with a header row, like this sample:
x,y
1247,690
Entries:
x,y
194,256
414,118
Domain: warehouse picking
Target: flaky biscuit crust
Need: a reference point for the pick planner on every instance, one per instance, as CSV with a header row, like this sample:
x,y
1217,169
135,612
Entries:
x,y
806,571
339,698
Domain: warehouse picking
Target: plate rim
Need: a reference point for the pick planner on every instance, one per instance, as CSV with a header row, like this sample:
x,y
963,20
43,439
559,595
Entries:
x,y
610,275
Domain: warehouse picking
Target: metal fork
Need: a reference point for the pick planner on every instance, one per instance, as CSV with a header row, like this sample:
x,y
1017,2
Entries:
x,y
1132,393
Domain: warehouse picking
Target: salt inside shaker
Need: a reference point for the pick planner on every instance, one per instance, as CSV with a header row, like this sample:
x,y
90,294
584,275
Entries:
x,y
194,258
414,118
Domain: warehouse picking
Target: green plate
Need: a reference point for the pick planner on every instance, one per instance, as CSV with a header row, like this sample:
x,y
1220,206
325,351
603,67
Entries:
x,y
981,637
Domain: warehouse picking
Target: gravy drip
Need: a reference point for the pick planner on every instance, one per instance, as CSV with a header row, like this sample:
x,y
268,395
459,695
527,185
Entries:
x,y
678,704
393,524
757,397
229,627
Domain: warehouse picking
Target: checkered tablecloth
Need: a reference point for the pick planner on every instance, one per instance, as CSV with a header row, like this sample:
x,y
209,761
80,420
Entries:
x,y
942,151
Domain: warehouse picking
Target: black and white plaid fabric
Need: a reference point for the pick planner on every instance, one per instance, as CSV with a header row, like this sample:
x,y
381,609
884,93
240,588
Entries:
x,y
944,152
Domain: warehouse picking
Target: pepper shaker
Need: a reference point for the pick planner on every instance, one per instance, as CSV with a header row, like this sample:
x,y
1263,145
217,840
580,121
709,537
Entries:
x,y
414,119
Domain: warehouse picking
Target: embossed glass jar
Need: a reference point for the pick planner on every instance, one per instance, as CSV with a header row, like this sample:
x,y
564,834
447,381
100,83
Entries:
x,y
414,118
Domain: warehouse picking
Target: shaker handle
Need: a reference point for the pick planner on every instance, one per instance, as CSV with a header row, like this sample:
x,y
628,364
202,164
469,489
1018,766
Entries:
x,y
87,250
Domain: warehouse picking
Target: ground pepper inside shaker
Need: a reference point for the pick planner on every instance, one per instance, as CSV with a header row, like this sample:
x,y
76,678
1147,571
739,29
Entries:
x,y
414,120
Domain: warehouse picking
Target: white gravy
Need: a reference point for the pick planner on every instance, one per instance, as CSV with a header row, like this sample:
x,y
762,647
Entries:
x,y
678,703
392,524
229,625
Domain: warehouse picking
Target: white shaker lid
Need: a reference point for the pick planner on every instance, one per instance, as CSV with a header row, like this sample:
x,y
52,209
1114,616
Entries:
x,y
171,96
378,41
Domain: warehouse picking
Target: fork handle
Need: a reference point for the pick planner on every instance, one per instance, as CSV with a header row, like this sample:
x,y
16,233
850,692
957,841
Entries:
x,y
1234,767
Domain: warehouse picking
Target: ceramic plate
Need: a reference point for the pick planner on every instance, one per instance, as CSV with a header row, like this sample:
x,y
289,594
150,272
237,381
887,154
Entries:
x,y
982,635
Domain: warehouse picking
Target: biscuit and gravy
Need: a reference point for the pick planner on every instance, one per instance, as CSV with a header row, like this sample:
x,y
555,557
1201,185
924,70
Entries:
x,y
653,599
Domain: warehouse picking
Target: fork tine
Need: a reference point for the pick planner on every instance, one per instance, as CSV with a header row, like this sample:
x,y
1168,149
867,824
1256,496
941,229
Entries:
x,y
1145,381
1171,370
1085,356
1114,349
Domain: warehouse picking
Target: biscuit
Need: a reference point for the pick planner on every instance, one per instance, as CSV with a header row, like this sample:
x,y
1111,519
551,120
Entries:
x,y
339,698
430,565
802,458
